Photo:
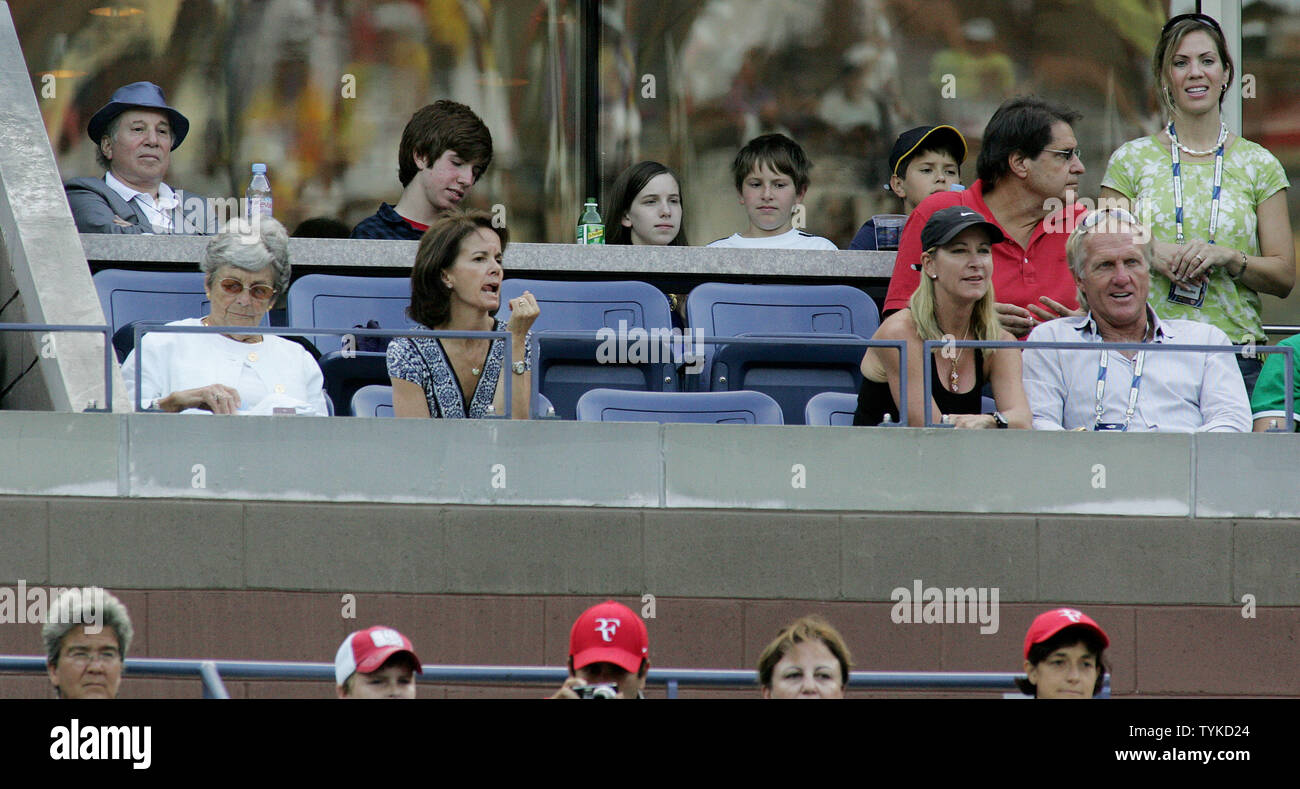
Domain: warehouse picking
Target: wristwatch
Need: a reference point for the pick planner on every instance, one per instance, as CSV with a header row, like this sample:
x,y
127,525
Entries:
x,y
519,367
999,420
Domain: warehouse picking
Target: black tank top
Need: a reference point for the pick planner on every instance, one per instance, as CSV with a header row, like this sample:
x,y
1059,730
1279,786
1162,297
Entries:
x,y
875,400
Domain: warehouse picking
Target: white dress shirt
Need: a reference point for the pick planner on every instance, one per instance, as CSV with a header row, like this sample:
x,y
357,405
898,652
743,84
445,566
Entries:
x,y
1178,392
158,212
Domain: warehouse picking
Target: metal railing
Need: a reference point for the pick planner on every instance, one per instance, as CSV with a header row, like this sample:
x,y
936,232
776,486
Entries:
x,y
141,329
688,338
213,672
107,331
929,346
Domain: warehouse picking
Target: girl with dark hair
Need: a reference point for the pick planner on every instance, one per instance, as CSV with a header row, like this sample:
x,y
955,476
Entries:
x,y
645,207
456,286
1064,656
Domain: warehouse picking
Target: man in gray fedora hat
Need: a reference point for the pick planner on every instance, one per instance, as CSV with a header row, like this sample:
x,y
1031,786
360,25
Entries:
x,y
134,136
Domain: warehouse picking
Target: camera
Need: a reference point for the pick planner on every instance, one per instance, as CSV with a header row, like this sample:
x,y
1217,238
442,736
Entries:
x,y
596,691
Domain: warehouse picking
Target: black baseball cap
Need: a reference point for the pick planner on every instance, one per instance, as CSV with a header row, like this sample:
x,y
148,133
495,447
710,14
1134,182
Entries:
x,y
912,140
945,224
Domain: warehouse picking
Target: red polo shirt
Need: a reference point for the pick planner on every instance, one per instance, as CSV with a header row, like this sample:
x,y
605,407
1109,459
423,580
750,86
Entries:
x,y
1020,275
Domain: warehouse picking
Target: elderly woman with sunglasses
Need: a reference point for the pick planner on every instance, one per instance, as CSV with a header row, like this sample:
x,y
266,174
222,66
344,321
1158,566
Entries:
x,y
237,373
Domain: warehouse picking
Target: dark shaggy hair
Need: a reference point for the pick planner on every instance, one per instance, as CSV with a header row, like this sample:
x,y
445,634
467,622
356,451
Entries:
x,y
444,126
430,296
777,151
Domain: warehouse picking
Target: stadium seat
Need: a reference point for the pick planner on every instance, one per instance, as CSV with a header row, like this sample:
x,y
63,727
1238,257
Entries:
x,y
373,400
831,408
345,375
377,401
742,408
340,302
792,372
569,368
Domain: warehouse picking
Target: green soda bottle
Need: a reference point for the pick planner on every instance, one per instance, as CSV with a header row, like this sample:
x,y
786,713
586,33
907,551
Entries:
x,y
590,229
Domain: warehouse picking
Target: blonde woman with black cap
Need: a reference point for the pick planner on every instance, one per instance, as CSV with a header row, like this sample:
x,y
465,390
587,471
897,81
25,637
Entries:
x,y
953,302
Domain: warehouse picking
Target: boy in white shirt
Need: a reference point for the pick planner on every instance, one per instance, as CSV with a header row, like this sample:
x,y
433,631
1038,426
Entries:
x,y
771,175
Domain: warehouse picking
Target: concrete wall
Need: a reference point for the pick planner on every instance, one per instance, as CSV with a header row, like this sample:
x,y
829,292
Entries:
x,y
43,274
785,468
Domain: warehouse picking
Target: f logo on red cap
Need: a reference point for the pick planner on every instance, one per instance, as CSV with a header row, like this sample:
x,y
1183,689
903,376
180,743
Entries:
x,y
1071,614
607,628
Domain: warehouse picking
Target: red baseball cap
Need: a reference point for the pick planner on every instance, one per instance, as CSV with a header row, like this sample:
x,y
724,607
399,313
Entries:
x,y
609,633
1049,624
366,650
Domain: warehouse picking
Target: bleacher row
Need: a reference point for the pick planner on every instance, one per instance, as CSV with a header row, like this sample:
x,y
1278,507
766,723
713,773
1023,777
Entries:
x,y
647,370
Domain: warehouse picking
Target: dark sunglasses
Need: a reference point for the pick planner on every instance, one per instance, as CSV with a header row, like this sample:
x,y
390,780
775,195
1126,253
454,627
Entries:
x,y
259,291
1209,21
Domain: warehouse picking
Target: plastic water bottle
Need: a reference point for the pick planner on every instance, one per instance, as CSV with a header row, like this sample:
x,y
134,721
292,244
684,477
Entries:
x,y
956,188
259,192
590,228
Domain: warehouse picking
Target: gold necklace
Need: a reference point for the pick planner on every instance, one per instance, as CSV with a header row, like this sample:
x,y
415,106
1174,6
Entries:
x,y
952,374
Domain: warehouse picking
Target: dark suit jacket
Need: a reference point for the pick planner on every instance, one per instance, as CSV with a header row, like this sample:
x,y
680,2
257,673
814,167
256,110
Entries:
x,y
94,204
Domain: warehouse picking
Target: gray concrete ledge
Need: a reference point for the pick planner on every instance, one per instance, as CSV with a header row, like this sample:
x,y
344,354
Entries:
x,y
658,467
711,554
520,259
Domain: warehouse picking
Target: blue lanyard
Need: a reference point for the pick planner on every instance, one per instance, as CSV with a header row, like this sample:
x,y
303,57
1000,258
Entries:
x,y
1178,186
1132,392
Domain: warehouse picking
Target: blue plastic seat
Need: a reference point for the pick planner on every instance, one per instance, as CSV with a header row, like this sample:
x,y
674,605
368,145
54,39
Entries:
x,y
340,302
567,369
831,408
377,401
792,372
742,408
373,400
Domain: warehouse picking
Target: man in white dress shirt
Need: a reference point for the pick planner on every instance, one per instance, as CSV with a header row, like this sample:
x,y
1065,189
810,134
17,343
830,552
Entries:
x,y
1179,391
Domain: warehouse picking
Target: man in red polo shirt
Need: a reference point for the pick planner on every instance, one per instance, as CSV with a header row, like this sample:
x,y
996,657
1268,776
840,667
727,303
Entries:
x,y
1028,168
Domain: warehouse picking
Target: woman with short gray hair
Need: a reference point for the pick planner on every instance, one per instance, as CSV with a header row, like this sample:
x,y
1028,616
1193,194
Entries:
x,y
245,267
87,634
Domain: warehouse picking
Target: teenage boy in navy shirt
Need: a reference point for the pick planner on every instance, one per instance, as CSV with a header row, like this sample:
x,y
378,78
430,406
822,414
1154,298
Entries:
x,y
445,149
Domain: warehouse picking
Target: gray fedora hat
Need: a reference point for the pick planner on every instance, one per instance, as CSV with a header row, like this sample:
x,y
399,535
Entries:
x,y
137,94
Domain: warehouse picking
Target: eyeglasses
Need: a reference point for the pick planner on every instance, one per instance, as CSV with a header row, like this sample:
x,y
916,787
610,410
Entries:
x,y
84,657
1208,21
1074,153
259,291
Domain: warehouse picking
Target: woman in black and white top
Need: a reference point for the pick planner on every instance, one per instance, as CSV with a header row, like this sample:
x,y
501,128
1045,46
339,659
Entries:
x,y
456,286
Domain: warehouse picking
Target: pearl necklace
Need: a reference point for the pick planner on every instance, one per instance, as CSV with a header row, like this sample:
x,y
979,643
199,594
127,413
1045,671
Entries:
x,y
1223,135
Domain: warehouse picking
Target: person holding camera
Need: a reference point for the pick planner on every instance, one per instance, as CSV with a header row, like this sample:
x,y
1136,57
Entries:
x,y
609,651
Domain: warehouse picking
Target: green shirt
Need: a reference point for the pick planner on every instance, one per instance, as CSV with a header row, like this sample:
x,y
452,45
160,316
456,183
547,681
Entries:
x,y
1269,397
1142,170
